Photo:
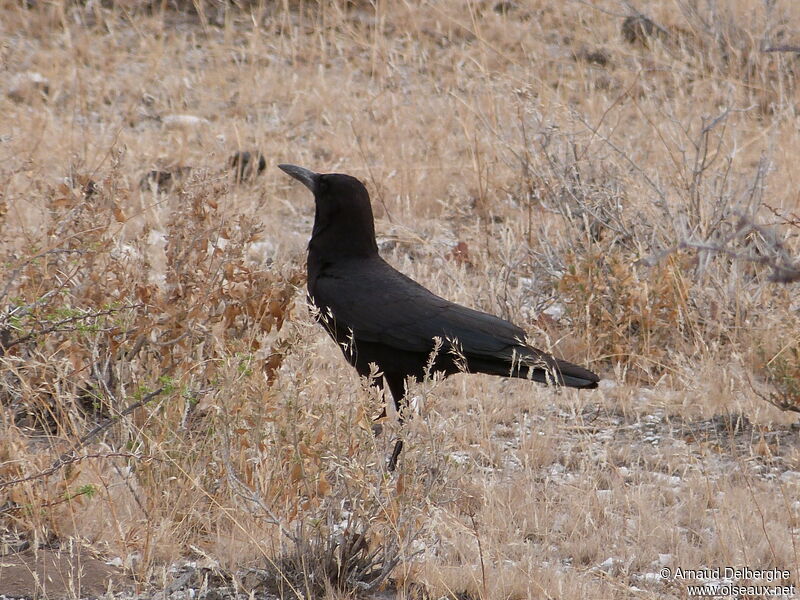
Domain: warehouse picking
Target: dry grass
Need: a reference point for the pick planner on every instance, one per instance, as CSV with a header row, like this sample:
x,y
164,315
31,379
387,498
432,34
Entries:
x,y
625,190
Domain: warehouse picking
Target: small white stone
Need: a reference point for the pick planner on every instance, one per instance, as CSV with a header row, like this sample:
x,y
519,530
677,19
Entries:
x,y
183,121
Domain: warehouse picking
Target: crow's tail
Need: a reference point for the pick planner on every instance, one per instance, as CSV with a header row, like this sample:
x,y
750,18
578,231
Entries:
x,y
530,363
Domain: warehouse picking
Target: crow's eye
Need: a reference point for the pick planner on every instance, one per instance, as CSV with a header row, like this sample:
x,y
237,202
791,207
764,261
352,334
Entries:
x,y
322,184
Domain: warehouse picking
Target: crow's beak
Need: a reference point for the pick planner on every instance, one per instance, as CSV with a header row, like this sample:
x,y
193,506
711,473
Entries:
x,y
304,176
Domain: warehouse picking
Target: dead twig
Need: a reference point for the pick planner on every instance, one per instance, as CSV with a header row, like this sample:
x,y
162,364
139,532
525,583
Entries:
x,y
62,462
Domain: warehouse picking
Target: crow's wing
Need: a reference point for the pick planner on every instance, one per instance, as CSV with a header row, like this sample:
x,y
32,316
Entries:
x,y
380,304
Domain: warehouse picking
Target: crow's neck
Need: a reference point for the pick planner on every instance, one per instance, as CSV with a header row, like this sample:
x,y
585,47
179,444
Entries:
x,y
342,241
327,249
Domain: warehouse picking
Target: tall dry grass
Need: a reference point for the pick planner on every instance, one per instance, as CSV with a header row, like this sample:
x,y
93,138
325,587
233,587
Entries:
x,y
620,184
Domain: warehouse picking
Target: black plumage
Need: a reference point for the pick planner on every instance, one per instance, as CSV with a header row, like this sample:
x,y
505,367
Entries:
x,y
378,315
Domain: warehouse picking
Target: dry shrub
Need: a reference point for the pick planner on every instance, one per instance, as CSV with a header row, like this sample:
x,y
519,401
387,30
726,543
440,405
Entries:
x,y
91,332
633,315
646,281
98,317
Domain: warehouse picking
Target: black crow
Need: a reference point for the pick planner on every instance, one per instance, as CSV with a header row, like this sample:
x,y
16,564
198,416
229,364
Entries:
x,y
378,315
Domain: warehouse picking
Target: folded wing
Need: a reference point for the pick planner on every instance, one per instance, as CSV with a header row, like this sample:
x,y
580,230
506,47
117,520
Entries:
x,y
381,305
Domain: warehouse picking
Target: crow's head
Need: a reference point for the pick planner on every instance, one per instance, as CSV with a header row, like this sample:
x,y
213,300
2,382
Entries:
x,y
343,222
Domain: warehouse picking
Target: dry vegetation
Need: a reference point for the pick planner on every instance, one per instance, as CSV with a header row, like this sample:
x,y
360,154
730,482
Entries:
x,y
625,189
